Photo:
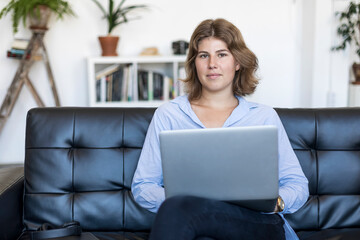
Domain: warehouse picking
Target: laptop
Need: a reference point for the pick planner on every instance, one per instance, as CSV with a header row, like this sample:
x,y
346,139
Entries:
x,y
237,165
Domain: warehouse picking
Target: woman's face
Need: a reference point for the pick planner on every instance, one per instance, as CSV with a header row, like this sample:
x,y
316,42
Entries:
x,y
215,65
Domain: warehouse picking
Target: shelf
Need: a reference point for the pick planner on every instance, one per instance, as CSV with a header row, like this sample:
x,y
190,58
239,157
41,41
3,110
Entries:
x,y
138,59
168,67
354,95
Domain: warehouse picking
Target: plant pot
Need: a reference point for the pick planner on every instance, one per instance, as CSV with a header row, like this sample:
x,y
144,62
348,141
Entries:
x,y
356,71
109,45
40,17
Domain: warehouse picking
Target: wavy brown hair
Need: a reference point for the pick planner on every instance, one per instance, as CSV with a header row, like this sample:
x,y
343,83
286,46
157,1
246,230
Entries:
x,y
245,81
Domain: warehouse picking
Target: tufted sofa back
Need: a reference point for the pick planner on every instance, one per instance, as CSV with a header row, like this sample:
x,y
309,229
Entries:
x,y
79,164
327,143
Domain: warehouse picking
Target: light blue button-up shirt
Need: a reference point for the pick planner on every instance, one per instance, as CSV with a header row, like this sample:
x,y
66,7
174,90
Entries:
x,y
148,188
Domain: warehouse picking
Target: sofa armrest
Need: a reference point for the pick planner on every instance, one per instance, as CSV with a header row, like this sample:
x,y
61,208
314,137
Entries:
x,y
11,200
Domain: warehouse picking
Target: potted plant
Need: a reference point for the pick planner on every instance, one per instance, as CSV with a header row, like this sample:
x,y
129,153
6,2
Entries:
x,y
349,31
38,11
114,17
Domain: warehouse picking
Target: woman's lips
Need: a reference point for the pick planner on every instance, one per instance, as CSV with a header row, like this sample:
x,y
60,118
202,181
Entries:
x,y
213,75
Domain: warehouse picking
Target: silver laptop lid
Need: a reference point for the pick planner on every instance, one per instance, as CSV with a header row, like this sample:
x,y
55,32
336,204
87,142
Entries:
x,y
230,164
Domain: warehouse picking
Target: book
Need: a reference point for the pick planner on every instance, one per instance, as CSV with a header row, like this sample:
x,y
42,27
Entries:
x,y
158,86
98,90
101,89
20,43
125,81
16,55
18,51
117,78
166,88
135,95
109,87
106,71
150,86
130,90
171,89
143,85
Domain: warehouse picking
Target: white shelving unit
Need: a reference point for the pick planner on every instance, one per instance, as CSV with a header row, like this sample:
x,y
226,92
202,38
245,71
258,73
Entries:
x,y
166,65
354,95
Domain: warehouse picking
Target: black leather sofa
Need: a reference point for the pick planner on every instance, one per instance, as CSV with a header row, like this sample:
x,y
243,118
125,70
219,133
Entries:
x,y
79,163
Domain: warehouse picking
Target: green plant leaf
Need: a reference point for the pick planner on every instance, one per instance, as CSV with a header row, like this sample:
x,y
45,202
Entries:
x,y
348,29
118,15
21,9
120,4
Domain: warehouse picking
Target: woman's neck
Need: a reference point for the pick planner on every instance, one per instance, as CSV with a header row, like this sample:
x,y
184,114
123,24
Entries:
x,y
216,101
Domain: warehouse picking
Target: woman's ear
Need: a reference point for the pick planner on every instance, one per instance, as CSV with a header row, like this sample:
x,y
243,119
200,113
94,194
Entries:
x,y
237,66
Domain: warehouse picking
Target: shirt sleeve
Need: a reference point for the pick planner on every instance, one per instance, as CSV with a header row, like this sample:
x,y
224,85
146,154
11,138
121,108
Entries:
x,y
147,185
293,185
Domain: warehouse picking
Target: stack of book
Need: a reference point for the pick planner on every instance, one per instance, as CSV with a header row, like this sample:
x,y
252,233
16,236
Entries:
x,y
116,83
18,49
120,82
111,83
154,86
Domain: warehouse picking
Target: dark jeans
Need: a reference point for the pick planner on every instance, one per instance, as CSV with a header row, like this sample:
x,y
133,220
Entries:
x,y
189,218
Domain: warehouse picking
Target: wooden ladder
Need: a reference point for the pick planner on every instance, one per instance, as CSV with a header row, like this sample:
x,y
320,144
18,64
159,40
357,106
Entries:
x,y
21,77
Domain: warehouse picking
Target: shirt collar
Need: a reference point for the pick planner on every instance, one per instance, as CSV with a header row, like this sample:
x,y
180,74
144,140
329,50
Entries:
x,y
240,111
237,114
185,107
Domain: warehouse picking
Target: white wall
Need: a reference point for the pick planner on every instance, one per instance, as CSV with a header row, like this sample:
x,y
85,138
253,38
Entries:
x,y
275,30
305,51
331,69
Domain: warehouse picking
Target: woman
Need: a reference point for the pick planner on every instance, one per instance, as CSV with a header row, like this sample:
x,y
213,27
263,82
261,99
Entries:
x,y
220,71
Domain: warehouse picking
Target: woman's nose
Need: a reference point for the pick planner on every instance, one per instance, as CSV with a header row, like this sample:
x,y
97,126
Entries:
x,y
212,63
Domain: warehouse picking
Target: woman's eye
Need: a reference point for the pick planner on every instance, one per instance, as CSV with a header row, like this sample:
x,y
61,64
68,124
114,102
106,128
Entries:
x,y
203,56
222,54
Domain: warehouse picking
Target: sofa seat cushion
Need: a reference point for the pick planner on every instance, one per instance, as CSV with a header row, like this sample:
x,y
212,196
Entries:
x,y
121,235
335,234
79,165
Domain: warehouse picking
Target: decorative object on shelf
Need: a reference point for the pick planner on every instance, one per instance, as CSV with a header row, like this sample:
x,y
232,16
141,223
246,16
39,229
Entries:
x,y
109,45
20,43
18,49
114,16
180,47
39,17
37,11
349,30
150,51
